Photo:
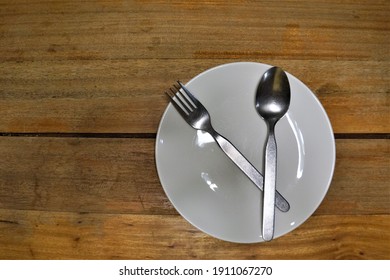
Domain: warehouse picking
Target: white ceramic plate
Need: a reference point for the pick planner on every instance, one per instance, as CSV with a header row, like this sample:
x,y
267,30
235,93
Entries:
x,y
209,191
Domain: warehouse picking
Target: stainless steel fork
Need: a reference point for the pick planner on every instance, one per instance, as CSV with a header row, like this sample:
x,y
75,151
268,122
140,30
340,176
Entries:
x,y
196,115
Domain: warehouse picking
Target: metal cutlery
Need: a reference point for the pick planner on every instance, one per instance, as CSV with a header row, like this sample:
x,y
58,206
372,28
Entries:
x,y
272,102
196,115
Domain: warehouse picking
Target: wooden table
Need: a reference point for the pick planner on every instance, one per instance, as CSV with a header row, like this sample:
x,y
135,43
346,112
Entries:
x,y
81,96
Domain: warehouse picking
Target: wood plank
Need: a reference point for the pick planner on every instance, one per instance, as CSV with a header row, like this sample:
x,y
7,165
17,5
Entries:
x,y
126,96
119,176
102,66
82,175
61,235
361,178
63,30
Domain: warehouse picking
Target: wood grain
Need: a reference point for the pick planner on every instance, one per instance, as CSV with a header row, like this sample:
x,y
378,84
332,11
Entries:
x,y
50,235
100,67
128,96
81,175
66,30
119,176
361,179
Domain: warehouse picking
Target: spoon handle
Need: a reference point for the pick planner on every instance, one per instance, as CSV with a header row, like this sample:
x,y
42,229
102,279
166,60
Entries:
x,y
269,187
249,170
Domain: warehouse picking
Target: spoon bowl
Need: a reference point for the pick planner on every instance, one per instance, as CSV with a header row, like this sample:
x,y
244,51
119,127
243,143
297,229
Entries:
x,y
273,95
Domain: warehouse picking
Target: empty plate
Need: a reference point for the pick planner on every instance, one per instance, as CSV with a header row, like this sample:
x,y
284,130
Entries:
x,y
209,191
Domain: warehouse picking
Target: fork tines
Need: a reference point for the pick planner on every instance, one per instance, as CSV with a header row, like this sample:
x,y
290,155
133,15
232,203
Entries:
x,y
179,97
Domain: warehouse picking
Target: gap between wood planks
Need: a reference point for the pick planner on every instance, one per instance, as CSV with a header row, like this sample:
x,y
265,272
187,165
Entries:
x,y
153,135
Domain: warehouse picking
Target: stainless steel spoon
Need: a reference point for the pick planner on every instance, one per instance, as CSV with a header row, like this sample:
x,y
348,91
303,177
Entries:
x,y
272,102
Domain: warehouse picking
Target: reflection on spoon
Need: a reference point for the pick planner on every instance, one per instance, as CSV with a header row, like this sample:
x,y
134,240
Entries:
x,y
205,176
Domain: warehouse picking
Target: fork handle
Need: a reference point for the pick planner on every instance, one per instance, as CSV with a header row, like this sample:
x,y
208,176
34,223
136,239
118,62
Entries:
x,y
248,169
